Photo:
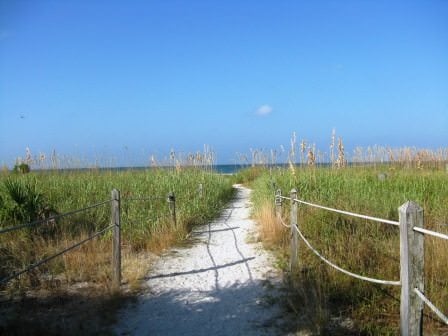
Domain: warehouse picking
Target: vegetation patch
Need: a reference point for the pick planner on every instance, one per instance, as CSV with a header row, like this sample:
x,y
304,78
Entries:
x,y
361,246
146,223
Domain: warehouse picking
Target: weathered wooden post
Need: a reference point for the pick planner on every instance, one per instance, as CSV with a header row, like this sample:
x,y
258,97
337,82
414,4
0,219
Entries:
x,y
278,203
200,190
294,237
116,242
172,206
411,269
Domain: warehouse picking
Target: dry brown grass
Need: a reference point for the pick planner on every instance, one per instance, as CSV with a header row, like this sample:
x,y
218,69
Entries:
x,y
134,268
339,157
76,285
436,273
165,237
271,231
90,262
70,295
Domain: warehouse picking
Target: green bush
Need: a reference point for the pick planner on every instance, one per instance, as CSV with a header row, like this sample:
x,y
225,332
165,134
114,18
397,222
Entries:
x,y
21,168
21,202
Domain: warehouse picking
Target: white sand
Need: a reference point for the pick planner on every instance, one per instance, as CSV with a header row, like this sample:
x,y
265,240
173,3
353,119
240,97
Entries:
x,y
222,285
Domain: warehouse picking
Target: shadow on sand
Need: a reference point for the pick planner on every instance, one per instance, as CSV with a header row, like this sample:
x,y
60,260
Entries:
x,y
241,309
87,312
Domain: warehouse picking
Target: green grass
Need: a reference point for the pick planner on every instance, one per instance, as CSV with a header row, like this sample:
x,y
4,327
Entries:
x,y
146,225
77,285
361,246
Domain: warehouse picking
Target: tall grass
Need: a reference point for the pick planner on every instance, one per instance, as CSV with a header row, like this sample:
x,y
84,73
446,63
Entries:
x,y
361,246
146,224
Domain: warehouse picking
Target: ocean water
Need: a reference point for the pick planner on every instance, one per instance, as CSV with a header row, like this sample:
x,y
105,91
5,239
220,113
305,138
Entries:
x,y
221,169
229,168
234,168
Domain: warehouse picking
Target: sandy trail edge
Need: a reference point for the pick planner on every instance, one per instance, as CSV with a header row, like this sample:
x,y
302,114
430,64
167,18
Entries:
x,y
223,285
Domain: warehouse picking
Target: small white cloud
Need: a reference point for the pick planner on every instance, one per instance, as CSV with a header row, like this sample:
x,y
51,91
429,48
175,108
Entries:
x,y
264,110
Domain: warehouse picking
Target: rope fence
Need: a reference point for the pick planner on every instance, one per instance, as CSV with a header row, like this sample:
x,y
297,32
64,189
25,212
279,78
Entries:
x,y
431,233
283,222
375,219
41,221
114,200
143,199
431,306
411,248
43,261
115,226
411,256
357,276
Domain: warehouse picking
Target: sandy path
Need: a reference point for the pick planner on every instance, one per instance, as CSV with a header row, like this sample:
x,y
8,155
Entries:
x,y
222,285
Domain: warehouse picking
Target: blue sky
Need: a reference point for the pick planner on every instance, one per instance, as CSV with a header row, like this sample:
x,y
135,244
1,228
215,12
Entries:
x,y
127,79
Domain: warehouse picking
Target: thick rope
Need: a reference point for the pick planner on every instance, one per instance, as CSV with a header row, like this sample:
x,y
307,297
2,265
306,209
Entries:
x,y
382,282
431,233
149,198
375,219
431,305
283,223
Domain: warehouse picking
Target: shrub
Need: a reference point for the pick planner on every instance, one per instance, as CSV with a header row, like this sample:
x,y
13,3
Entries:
x,y
21,168
21,202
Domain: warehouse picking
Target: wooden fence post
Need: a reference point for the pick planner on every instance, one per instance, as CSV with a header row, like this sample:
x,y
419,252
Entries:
x,y
278,203
172,206
411,269
294,237
116,241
